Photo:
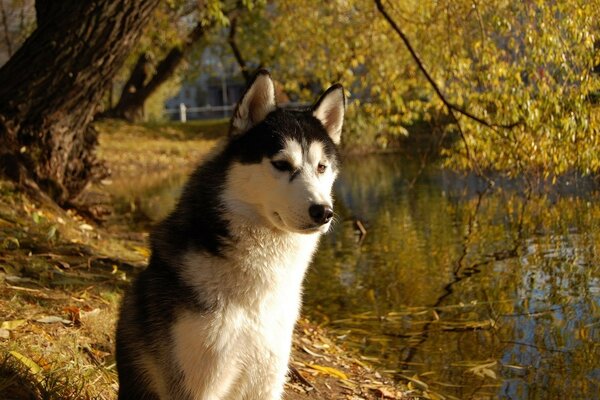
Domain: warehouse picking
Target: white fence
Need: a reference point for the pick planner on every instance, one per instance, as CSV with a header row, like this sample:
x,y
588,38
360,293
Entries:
x,y
209,111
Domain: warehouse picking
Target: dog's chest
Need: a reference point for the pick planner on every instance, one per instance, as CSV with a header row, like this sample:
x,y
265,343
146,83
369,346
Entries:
x,y
256,293
229,351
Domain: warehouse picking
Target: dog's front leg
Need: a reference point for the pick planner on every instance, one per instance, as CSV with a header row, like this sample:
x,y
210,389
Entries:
x,y
264,380
205,356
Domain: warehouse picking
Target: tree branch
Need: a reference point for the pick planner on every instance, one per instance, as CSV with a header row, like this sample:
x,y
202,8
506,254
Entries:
x,y
450,106
236,50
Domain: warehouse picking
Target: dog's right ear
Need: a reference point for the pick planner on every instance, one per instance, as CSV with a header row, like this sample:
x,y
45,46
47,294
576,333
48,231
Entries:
x,y
256,103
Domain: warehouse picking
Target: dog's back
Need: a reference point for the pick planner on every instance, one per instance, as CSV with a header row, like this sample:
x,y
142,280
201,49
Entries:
x,y
213,314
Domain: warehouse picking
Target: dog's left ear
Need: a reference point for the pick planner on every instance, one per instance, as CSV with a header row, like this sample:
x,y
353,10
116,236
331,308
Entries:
x,y
329,109
256,103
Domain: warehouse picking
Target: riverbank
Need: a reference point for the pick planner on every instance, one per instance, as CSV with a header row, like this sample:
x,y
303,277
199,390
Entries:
x,y
62,275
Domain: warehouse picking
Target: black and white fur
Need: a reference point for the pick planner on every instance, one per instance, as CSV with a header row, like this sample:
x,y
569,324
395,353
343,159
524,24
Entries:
x,y
212,316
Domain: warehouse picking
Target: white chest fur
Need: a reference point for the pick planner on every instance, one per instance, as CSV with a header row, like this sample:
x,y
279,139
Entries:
x,y
240,348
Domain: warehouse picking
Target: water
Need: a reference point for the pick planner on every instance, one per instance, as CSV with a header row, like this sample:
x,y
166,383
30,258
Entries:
x,y
477,294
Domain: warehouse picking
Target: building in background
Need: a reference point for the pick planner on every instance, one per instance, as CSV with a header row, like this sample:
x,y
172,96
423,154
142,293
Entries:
x,y
219,85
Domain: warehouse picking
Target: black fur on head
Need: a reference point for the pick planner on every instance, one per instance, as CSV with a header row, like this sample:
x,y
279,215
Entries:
x,y
268,137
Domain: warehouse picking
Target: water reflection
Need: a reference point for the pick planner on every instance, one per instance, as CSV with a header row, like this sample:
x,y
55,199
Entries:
x,y
479,294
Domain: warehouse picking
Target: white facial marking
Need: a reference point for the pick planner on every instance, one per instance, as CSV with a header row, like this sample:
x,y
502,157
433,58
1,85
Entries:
x,y
292,153
282,198
316,155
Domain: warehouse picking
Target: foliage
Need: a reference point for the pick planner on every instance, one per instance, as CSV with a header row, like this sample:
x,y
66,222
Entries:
x,y
523,63
535,69
180,32
527,63
172,22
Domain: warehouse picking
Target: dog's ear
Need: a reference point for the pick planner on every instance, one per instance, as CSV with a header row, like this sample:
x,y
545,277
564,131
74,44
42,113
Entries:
x,y
329,109
256,103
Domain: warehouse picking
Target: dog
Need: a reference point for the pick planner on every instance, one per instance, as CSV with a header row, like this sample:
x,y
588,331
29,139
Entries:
x,y
212,316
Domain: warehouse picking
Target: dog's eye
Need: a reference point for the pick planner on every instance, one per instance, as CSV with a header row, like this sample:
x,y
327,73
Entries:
x,y
282,165
321,168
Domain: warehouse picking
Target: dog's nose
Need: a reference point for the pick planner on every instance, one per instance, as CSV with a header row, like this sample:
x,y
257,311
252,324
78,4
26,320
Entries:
x,y
320,213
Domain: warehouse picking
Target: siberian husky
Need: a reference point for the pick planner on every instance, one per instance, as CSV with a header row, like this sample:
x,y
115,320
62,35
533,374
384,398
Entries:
x,y
211,318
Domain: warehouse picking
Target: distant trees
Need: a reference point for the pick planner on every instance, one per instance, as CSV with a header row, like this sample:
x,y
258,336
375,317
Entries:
x,y
52,86
188,25
146,77
176,30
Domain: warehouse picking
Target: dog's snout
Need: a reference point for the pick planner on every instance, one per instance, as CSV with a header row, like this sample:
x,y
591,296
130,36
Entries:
x,y
320,213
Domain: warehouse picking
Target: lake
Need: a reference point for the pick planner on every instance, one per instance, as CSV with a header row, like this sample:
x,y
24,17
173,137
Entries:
x,y
475,293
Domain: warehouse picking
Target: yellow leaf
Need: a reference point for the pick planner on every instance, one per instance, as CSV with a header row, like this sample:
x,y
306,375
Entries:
x,y
28,362
14,324
329,371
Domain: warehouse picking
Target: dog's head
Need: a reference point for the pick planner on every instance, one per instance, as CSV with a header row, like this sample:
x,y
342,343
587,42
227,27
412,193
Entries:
x,y
284,162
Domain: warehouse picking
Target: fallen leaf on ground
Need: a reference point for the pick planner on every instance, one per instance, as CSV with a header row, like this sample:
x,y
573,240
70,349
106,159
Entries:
x,y
86,227
484,370
329,371
52,320
14,324
74,314
28,362
142,251
312,353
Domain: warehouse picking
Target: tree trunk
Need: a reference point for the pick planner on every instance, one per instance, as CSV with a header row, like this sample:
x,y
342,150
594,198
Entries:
x,y
53,85
140,86
131,103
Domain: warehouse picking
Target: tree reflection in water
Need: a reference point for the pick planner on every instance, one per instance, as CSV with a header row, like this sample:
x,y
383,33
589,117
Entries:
x,y
479,293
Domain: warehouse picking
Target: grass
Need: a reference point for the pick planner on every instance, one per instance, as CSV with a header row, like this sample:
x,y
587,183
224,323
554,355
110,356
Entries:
x,y
61,283
135,149
62,278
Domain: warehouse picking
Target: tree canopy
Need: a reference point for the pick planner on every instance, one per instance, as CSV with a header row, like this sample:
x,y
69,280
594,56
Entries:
x,y
524,69
504,86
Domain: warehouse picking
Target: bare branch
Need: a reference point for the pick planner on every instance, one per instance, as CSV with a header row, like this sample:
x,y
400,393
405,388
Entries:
x,y
231,39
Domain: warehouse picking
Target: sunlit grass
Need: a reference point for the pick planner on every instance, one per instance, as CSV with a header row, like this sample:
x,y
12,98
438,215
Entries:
x,y
132,150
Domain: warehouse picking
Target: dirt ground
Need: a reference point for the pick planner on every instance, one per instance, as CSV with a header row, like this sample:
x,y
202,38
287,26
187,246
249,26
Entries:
x,y
62,275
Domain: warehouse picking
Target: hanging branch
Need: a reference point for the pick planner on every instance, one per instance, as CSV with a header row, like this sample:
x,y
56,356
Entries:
x,y
231,39
450,106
